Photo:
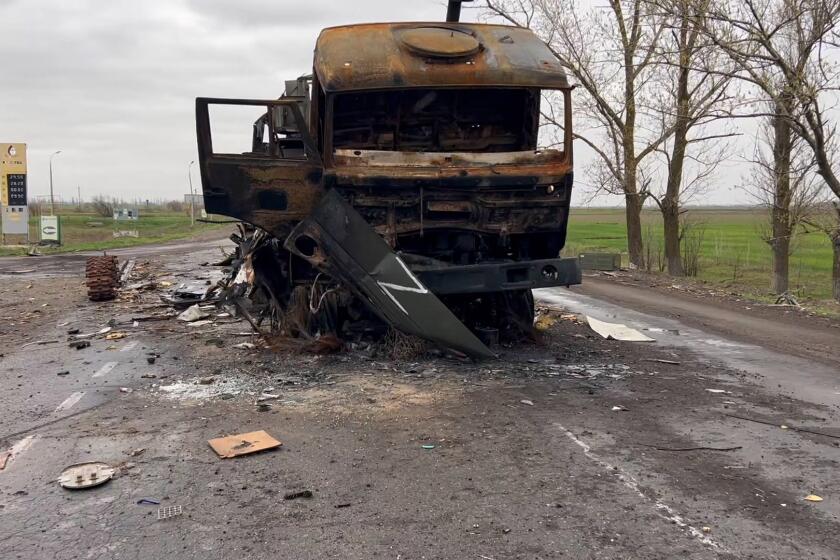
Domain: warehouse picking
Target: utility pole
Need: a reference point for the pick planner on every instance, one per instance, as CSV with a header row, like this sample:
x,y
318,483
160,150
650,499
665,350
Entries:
x,y
192,196
52,197
79,190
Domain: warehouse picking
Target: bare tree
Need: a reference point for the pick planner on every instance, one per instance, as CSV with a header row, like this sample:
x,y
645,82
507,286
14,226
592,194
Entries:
x,y
692,97
783,180
782,48
103,207
611,53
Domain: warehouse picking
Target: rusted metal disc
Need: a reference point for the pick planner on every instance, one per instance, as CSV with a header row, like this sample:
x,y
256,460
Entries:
x,y
86,475
440,42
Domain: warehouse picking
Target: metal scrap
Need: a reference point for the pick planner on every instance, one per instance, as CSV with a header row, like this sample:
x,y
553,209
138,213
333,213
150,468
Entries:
x,y
338,241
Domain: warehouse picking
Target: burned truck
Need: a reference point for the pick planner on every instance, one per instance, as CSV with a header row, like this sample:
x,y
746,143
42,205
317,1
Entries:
x,y
405,181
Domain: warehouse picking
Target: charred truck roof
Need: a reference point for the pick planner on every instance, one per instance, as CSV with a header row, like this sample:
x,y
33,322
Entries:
x,y
415,55
408,173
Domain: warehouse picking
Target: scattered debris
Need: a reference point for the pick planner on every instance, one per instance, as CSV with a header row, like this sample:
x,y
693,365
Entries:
x,y
661,361
66,372
136,452
150,501
151,359
4,458
327,344
698,448
619,408
206,380
296,495
339,506
193,314
125,390
243,444
90,335
199,323
813,498
616,331
189,390
528,402
544,322
115,336
79,344
428,446
245,346
86,475
783,426
169,511
39,342
719,391
787,299
185,295
126,269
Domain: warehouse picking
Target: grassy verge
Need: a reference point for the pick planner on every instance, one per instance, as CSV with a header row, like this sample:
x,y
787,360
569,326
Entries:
x,y
731,255
89,232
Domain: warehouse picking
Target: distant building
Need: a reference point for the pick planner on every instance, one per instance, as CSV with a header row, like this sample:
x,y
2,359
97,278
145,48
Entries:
x,y
125,214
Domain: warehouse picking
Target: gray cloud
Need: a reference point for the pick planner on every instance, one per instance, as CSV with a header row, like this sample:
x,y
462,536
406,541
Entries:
x,y
112,84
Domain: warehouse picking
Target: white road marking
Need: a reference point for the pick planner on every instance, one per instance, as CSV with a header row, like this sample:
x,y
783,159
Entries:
x,y
19,448
22,445
129,347
105,369
664,511
70,401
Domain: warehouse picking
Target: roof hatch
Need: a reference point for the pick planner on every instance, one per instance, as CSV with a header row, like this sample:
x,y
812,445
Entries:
x,y
443,42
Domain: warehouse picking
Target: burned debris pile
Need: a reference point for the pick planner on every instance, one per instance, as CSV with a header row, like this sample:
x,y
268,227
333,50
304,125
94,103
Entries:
x,y
256,288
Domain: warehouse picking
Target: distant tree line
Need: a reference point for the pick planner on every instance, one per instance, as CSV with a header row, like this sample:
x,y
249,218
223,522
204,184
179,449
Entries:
x,y
104,206
664,84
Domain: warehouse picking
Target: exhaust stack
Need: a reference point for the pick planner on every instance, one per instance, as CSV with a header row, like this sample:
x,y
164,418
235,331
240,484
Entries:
x,y
453,11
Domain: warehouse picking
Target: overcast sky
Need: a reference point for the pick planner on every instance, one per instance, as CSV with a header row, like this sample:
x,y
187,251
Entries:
x,y
112,83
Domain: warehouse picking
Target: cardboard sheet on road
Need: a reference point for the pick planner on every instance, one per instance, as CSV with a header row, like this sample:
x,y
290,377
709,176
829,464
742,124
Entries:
x,y
616,331
243,444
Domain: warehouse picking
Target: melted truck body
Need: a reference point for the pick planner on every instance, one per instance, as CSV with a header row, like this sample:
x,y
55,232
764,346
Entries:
x,y
430,132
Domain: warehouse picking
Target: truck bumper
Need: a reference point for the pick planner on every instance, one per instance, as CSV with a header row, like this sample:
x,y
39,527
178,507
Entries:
x,y
497,277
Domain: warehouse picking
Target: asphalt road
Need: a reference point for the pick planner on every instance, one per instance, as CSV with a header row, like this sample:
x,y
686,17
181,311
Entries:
x,y
573,447
73,264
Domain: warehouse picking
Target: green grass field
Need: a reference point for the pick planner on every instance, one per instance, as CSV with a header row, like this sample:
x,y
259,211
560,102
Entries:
x,y
89,232
732,254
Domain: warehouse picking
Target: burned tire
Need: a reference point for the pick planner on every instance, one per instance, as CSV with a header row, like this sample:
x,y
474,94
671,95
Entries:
x,y
102,278
516,314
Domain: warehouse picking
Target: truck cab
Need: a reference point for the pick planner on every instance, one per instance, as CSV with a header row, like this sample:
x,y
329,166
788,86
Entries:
x,y
430,131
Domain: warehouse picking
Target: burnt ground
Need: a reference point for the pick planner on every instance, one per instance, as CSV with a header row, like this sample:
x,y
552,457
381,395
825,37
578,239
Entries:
x,y
568,447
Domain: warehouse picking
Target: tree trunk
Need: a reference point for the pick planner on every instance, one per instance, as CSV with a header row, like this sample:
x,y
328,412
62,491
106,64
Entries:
x,y
671,223
635,246
780,218
633,201
671,200
781,261
835,270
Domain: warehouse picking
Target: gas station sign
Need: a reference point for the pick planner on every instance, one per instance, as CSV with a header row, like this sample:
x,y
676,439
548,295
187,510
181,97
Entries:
x,y
13,195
